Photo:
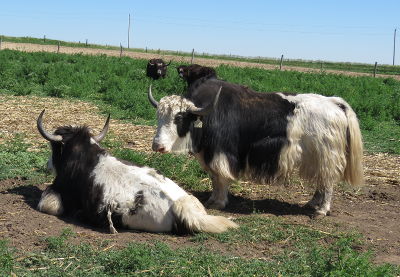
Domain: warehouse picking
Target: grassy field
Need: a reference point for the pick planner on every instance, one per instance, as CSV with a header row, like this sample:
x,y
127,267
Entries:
x,y
325,65
119,86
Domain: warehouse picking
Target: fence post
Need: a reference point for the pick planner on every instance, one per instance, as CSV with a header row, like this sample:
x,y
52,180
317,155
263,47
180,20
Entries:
x,y
86,43
192,56
1,40
280,66
44,39
58,47
375,67
146,49
120,53
322,66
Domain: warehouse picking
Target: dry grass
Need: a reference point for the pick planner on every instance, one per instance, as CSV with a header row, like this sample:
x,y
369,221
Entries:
x,y
18,114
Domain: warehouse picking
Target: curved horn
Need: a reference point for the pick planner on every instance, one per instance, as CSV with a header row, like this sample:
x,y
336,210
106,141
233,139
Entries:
x,y
151,98
209,108
103,132
44,133
151,62
168,63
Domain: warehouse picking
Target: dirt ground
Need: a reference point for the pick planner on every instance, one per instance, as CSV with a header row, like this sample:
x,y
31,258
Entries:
x,y
29,47
373,210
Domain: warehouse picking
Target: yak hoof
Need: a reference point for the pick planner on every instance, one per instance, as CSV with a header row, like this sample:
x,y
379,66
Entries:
x,y
316,212
213,204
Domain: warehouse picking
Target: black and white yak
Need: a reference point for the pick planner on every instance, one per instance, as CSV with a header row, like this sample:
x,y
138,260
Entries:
x,y
235,133
103,190
156,69
192,73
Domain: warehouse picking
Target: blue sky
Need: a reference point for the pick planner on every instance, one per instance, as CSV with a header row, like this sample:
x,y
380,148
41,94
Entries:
x,y
349,31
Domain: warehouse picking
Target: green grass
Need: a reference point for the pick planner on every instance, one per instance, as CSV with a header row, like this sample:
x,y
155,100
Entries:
x,y
338,258
321,65
16,160
119,87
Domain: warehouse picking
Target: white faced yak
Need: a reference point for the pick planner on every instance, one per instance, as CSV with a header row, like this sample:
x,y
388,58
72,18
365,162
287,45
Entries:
x,y
235,132
104,190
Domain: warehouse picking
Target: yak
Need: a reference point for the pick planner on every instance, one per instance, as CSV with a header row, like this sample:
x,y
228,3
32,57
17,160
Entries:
x,y
194,72
237,133
103,190
156,69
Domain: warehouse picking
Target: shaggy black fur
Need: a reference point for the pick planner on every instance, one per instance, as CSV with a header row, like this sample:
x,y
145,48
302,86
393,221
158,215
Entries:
x,y
73,159
246,126
192,73
153,66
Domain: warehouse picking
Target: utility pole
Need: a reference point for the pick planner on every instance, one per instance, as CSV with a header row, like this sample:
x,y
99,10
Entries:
x,y
394,45
129,28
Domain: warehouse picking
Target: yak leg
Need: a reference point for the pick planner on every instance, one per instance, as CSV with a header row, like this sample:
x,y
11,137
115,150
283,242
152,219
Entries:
x,y
219,196
110,223
321,201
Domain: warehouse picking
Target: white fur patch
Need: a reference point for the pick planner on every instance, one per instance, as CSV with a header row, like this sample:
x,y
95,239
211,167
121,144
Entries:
x,y
317,140
120,183
221,165
50,203
167,135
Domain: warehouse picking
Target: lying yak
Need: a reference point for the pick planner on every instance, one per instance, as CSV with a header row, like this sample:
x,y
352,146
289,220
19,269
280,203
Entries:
x,y
235,132
104,190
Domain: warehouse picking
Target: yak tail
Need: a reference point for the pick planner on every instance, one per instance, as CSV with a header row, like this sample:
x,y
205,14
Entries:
x,y
192,215
353,173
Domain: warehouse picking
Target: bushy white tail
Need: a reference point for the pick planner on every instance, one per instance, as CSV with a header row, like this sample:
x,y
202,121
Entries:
x,y
193,215
353,173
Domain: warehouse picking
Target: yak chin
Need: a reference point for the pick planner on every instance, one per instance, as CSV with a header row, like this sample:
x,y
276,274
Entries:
x,y
182,145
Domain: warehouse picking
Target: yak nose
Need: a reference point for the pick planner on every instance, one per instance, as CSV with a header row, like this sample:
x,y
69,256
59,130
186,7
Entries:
x,y
158,147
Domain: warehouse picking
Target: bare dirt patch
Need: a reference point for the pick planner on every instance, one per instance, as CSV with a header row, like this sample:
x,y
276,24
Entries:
x,y
373,210
29,47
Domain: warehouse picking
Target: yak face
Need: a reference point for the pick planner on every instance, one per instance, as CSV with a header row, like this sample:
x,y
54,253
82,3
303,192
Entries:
x,y
180,124
174,125
156,68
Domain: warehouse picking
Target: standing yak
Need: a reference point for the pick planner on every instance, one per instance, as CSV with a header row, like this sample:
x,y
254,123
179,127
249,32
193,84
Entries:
x,y
194,72
156,68
235,132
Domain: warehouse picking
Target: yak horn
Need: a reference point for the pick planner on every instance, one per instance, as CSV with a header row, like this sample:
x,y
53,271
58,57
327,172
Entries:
x,y
209,108
168,63
103,132
151,98
44,133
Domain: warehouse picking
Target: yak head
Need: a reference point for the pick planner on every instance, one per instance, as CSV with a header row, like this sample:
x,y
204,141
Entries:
x,y
157,68
193,72
179,126
73,148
